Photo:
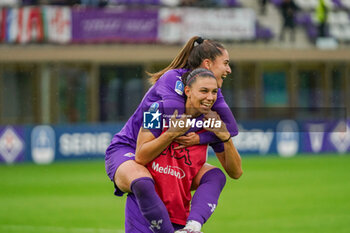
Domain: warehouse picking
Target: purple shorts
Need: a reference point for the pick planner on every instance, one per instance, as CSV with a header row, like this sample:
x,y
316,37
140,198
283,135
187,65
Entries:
x,y
114,158
134,220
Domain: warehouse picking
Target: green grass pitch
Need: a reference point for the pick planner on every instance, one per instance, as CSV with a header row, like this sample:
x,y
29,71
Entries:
x,y
304,194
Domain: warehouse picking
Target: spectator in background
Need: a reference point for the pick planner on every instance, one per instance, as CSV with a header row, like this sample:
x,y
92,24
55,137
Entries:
x,y
188,2
321,16
289,9
94,3
263,6
59,2
29,2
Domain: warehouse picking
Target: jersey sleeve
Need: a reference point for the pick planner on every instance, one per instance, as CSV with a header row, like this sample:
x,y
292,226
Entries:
x,y
226,116
218,147
170,89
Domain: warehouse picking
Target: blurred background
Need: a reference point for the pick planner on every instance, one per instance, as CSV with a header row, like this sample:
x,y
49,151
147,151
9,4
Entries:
x,y
73,71
79,68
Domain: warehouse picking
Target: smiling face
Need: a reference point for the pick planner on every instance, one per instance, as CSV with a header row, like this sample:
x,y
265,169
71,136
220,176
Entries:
x,y
201,96
220,66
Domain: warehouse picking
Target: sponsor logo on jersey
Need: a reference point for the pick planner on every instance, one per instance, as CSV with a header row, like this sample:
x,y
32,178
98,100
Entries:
x,y
169,170
179,87
183,153
130,155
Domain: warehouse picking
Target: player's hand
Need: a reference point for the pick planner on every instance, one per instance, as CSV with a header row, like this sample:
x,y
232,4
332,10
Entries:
x,y
221,132
178,126
189,139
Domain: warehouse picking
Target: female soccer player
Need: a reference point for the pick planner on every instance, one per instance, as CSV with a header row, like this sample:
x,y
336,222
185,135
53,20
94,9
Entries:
x,y
174,170
120,161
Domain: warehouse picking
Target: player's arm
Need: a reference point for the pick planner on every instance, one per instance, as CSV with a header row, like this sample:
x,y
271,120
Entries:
x,y
223,110
149,146
208,137
229,157
230,160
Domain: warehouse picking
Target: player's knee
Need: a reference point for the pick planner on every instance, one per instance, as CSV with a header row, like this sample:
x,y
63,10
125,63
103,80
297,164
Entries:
x,y
221,177
127,172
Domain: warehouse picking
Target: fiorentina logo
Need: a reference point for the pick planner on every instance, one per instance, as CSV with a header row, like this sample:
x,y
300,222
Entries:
x,y
340,137
11,145
156,224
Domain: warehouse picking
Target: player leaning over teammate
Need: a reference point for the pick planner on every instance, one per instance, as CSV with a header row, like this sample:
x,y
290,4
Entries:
x,y
129,176
174,170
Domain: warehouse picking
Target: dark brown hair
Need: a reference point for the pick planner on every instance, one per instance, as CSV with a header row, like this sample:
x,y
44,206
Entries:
x,y
191,56
196,73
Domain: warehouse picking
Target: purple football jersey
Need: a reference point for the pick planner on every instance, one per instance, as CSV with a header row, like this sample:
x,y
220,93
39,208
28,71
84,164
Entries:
x,y
169,88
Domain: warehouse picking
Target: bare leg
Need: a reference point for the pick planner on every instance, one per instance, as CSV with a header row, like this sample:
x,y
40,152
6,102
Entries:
x,y
127,172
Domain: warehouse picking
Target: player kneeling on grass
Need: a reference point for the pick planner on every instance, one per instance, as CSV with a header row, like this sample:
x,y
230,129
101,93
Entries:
x,y
175,170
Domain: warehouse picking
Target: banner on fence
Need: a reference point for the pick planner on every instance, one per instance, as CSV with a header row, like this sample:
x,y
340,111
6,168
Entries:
x,y
45,144
2,24
8,3
23,25
129,25
58,24
180,24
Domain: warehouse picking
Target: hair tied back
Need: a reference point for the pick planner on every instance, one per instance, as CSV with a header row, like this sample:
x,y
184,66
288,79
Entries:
x,y
199,40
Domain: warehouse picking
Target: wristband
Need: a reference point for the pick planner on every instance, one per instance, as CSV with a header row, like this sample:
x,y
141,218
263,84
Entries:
x,y
227,139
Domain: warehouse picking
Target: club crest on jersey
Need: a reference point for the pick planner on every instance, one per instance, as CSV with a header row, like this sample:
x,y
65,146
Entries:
x,y
212,207
179,87
156,225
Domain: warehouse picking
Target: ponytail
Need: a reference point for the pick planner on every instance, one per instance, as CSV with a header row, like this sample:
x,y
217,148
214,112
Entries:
x,y
191,56
180,61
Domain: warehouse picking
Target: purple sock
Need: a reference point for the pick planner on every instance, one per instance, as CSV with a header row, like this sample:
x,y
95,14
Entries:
x,y
151,206
205,199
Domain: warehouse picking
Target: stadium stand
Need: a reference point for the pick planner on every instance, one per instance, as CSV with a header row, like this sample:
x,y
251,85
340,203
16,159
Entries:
x,y
338,18
267,28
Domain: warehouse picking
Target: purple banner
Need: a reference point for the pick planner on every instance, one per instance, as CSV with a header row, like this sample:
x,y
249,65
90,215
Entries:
x,y
108,25
327,137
